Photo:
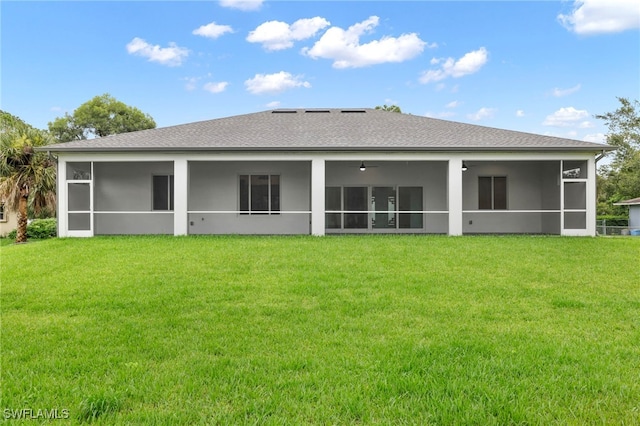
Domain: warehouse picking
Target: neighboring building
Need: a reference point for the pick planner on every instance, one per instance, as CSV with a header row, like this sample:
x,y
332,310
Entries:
x,y
634,213
326,171
8,220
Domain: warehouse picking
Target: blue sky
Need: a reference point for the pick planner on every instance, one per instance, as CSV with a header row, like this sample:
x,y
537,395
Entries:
x,y
543,67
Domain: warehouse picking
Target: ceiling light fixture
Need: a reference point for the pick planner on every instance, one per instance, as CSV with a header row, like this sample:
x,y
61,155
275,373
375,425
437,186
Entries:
x,y
464,167
362,167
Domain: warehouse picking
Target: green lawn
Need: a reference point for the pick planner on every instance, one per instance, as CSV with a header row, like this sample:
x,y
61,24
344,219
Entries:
x,y
334,330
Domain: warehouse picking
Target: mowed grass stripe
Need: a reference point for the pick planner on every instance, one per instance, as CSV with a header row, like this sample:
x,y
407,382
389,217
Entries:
x,y
335,330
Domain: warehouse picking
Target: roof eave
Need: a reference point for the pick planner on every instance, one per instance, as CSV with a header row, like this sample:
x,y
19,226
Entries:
x,y
53,149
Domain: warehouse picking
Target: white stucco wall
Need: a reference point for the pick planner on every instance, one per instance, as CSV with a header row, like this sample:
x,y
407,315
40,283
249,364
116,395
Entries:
x,y
9,222
431,175
634,217
530,186
123,182
214,186
127,187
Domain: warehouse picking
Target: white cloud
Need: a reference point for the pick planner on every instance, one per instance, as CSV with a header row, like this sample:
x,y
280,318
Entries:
x,y
191,83
274,104
601,16
558,93
595,137
567,117
453,104
519,113
442,115
274,83
212,30
470,63
245,5
277,35
344,48
171,56
482,113
218,87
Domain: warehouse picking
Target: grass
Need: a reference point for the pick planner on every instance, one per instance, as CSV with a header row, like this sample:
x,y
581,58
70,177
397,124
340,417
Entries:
x,y
335,330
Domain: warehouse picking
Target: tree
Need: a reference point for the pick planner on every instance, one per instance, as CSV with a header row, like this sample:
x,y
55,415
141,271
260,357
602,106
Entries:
x,y
101,116
620,179
27,177
391,108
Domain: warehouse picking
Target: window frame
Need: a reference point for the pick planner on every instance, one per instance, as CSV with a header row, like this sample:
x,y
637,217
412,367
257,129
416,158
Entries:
x,y
492,195
273,202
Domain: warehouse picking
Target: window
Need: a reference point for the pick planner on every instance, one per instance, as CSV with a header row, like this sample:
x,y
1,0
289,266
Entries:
x,y
79,171
260,194
492,192
574,169
163,192
2,214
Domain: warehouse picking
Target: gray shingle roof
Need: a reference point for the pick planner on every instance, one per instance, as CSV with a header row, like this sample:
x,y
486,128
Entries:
x,y
631,202
327,130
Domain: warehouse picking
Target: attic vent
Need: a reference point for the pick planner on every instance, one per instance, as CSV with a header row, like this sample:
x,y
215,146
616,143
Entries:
x,y
315,111
283,111
350,111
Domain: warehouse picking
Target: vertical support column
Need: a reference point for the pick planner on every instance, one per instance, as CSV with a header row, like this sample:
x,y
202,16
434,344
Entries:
x,y
561,180
180,191
454,191
62,204
317,196
591,197
91,199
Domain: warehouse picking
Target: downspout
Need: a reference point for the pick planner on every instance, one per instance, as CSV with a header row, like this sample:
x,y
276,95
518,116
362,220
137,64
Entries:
x,y
601,156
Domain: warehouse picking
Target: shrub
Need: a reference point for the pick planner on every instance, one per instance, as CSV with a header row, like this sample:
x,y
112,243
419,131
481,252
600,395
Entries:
x,y
38,229
615,220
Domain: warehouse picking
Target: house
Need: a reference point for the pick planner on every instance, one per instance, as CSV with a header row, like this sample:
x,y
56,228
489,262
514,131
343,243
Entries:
x,y
634,214
326,171
8,219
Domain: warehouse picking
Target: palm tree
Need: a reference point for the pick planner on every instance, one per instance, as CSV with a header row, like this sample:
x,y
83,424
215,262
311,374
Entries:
x,y
390,108
27,177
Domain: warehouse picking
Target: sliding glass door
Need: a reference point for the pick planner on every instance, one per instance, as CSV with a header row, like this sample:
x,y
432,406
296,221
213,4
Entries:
x,y
355,200
375,207
383,204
